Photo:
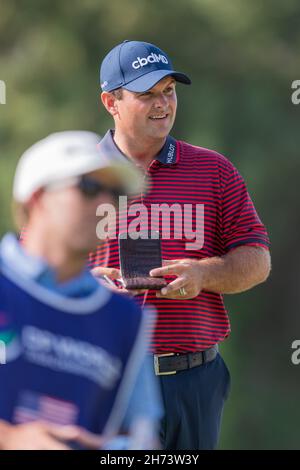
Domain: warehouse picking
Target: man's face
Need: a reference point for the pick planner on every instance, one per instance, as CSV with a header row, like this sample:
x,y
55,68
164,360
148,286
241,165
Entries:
x,y
150,114
70,215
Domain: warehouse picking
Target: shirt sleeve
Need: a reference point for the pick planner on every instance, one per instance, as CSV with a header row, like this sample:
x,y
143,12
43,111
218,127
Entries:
x,y
145,400
139,406
241,224
143,413
145,408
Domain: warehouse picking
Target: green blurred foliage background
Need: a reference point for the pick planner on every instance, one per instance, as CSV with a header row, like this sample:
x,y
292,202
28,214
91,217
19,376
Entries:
x,y
242,57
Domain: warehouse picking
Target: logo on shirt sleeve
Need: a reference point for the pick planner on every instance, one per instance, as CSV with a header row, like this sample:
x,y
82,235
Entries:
x,y
10,345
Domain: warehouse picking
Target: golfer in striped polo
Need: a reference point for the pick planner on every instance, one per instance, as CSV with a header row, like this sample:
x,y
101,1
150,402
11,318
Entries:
x,y
222,247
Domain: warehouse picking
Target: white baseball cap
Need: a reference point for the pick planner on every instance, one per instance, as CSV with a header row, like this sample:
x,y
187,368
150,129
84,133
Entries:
x,y
65,155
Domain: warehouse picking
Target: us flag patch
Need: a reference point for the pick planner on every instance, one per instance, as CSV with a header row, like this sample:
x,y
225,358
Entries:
x,y
33,406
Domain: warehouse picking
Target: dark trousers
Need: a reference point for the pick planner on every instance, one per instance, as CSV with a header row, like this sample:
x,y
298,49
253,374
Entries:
x,y
194,401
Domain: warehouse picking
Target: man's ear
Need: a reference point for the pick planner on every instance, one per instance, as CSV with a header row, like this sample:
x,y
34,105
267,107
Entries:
x,y
35,198
110,102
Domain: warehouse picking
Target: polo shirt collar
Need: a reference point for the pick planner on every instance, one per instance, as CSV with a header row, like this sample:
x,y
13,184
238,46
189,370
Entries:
x,y
14,257
167,156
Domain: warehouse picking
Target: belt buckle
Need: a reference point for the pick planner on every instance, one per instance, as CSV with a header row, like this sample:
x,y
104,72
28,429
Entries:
x,y
156,364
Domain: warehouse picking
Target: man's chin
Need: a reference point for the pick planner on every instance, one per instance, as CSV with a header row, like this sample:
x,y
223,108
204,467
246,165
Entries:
x,y
160,134
89,247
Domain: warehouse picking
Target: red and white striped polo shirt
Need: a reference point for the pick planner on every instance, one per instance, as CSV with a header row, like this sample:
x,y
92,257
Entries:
x,y
192,177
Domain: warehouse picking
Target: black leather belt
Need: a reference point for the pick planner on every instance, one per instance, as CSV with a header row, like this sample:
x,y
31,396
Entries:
x,y
170,363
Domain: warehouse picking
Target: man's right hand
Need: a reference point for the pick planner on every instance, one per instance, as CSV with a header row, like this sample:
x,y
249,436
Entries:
x,y
39,435
114,274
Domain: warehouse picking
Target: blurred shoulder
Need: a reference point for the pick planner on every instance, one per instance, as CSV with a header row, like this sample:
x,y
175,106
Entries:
x,y
124,303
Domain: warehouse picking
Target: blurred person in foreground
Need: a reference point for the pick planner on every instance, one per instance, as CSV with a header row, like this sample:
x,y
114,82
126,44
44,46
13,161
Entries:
x,y
75,374
222,250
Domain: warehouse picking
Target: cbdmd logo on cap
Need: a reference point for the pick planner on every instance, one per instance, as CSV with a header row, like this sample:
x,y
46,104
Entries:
x,y
150,59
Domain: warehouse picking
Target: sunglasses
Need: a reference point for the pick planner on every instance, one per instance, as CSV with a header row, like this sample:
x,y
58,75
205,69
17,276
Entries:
x,y
89,187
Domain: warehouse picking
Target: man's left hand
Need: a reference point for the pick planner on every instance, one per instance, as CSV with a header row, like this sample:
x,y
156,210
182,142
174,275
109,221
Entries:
x,y
189,281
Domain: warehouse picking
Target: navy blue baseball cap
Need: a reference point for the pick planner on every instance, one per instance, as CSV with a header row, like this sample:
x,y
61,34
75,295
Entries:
x,y
136,66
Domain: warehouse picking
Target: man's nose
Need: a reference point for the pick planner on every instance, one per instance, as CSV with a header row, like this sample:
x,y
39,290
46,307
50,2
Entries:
x,y
161,101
